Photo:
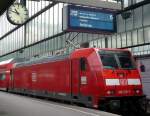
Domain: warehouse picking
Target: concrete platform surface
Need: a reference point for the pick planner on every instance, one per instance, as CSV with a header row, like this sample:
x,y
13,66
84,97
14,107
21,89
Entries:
x,y
17,105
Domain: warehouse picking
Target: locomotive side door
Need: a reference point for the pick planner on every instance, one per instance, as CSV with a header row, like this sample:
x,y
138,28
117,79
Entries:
x,y
75,78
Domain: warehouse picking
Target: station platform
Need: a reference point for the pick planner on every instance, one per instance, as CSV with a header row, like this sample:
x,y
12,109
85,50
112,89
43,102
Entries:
x,y
148,109
17,105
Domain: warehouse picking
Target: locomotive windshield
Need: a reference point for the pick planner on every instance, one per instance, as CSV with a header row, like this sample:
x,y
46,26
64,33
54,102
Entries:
x,y
116,59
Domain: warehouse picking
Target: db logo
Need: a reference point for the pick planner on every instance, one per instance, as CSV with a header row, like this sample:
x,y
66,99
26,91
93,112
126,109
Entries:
x,y
123,82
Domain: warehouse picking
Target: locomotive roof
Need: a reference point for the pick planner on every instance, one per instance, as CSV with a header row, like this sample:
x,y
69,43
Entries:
x,y
41,60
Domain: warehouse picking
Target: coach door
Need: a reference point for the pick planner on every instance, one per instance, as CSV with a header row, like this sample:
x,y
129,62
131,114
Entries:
x,y
75,78
11,81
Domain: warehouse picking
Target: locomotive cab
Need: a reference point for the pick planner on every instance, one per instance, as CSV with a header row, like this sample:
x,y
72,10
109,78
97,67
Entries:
x,y
122,79
120,73
107,76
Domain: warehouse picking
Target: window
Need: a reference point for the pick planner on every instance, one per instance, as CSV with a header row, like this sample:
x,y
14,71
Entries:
x,y
108,61
83,64
2,76
116,59
125,62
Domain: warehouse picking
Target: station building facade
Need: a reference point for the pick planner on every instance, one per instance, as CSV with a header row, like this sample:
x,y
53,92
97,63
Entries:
x,y
43,33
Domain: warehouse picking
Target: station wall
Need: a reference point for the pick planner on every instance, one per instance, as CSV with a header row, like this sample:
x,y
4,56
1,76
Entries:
x,y
43,35
133,32
145,75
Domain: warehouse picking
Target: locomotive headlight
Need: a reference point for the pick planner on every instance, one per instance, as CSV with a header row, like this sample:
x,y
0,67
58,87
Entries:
x,y
137,91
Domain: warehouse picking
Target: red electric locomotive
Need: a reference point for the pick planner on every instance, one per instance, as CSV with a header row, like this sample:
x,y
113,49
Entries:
x,y
91,76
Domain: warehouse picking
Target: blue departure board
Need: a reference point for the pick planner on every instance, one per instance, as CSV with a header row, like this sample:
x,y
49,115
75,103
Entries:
x,y
84,18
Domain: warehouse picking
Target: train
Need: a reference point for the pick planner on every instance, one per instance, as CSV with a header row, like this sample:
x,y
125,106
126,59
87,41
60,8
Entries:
x,y
94,77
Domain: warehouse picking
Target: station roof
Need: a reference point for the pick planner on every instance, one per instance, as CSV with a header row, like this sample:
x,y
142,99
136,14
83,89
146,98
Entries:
x,y
4,4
